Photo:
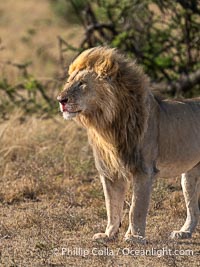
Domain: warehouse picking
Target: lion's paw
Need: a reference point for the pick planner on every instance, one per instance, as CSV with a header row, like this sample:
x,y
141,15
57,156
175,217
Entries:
x,y
103,237
180,235
132,239
100,236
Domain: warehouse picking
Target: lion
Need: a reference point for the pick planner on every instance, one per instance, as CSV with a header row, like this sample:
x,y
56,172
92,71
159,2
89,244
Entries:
x,y
135,136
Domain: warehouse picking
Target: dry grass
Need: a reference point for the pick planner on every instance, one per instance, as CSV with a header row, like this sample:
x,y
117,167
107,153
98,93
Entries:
x,y
51,199
29,32
50,196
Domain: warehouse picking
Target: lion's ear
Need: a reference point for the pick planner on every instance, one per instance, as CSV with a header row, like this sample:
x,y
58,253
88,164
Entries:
x,y
107,68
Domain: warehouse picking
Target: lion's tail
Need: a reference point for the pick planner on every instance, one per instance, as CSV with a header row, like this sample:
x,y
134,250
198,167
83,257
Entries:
x,y
199,203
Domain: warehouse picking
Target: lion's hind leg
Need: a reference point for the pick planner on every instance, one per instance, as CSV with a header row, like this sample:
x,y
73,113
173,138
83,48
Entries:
x,y
190,182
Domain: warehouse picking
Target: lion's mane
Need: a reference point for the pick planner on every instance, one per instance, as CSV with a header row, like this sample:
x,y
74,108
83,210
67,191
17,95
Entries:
x,y
119,123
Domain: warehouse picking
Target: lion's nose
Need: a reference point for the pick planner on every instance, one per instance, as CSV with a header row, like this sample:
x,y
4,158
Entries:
x,y
62,99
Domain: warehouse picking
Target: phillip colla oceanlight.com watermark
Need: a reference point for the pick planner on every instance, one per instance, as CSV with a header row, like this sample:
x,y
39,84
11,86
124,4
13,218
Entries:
x,y
86,252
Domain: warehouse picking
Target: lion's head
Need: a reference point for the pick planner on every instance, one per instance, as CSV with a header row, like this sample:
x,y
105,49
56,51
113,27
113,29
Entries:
x,y
107,93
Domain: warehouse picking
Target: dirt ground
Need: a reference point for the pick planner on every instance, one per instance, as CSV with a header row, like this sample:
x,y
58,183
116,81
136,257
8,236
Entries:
x,y
51,200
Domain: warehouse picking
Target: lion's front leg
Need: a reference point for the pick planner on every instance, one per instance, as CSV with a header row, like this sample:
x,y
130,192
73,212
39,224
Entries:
x,y
114,192
142,185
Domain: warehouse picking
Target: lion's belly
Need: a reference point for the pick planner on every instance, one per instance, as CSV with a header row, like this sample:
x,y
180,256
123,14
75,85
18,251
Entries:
x,y
178,159
179,137
174,169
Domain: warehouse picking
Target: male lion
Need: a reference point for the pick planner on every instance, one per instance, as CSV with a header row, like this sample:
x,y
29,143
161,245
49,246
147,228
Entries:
x,y
134,137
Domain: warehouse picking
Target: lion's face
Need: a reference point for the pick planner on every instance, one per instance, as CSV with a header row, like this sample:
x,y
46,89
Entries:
x,y
84,93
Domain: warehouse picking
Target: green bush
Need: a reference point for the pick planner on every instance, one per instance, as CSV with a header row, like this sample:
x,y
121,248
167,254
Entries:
x,y
162,35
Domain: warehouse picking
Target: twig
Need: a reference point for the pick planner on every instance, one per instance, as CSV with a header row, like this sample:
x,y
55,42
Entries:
x,y
20,66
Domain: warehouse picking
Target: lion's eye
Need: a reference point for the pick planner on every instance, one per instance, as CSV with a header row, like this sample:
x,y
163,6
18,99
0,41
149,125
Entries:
x,y
81,83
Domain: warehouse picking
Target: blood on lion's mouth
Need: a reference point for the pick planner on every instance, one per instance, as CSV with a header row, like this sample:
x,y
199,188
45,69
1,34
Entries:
x,y
69,111
63,107
69,108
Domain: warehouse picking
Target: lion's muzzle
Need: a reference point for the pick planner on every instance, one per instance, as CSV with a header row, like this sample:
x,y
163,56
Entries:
x,y
69,108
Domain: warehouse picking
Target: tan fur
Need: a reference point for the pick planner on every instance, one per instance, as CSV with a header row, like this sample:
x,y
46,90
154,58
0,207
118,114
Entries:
x,y
133,135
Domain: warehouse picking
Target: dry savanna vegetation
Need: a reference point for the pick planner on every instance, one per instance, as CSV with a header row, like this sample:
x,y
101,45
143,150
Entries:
x,y
51,200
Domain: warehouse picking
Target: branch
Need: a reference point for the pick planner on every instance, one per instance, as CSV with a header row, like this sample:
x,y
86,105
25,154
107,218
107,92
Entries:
x,y
21,66
64,46
183,84
43,93
99,26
